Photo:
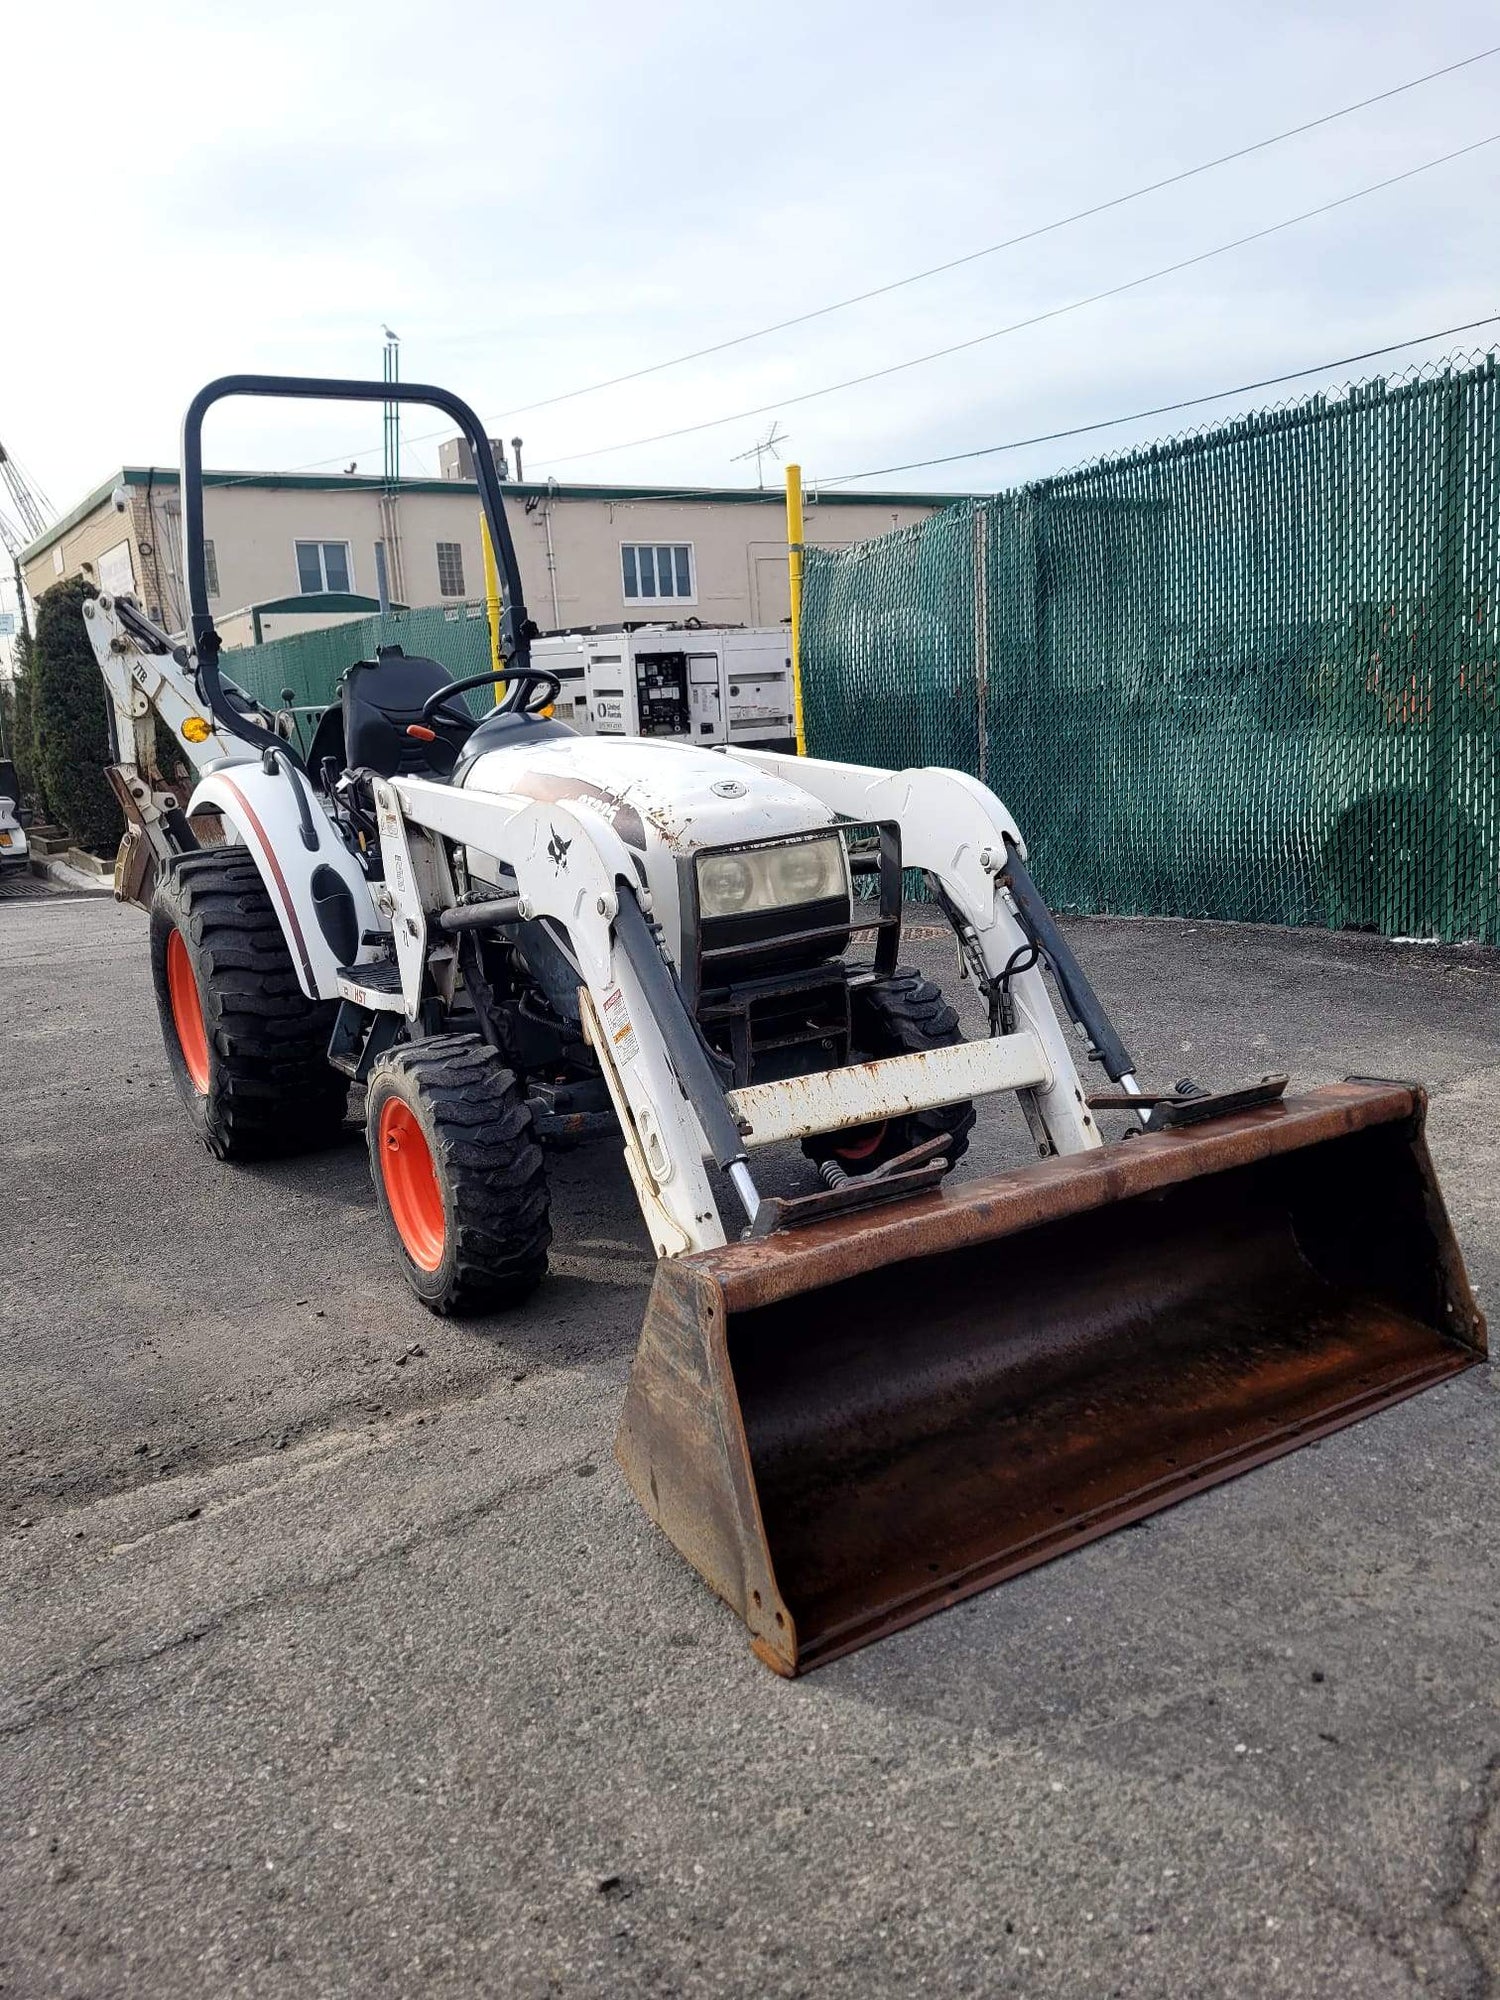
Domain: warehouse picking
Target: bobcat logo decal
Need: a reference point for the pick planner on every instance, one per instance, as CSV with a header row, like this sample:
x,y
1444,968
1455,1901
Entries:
x,y
557,848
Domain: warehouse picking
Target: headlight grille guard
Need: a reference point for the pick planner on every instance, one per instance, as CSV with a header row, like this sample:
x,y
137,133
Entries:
x,y
873,847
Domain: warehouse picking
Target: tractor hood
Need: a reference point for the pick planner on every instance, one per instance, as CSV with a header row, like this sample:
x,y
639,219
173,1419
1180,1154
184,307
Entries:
x,y
663,799
656,796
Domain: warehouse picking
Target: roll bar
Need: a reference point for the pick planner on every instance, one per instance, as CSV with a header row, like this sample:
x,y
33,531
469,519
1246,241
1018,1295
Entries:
x,y
515,628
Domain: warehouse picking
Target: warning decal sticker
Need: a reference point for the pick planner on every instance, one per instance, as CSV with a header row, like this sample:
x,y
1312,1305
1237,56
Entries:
x,y
617,1026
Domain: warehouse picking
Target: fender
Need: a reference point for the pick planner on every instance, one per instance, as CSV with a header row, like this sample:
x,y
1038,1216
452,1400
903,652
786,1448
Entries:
x,y
262,808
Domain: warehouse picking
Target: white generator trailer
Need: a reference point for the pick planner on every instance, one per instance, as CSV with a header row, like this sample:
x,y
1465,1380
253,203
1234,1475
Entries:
x,y
851,1406
708,685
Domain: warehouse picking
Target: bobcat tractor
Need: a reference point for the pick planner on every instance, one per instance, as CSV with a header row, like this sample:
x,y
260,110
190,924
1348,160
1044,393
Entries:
x,y
851,1405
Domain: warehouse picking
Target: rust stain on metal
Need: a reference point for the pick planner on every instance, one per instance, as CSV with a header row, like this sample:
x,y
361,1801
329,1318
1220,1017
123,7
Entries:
x,y
671,824
553,788
849,1428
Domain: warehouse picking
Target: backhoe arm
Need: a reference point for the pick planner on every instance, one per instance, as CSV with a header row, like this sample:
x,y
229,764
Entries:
x,y
149,680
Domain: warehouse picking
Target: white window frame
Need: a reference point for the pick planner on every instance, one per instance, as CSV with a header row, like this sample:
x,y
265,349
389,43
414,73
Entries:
x,y
654,544
452,596
321,542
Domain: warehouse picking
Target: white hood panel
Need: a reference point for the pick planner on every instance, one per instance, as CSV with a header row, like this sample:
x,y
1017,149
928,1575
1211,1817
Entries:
x,y
659,797
653,793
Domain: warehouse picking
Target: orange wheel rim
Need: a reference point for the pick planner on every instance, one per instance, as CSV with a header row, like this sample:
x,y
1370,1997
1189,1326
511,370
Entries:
x,y
408,1174
187,1012
860,1144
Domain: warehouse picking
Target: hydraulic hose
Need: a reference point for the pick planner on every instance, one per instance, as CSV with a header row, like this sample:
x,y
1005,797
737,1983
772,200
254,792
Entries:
x,y
1080,999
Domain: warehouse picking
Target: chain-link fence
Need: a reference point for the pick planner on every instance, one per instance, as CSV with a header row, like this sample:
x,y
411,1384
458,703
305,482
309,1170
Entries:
x,y
311,663
1251,673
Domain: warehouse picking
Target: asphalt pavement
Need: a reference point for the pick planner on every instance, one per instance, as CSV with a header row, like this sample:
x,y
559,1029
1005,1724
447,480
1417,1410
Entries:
x,y
337,1659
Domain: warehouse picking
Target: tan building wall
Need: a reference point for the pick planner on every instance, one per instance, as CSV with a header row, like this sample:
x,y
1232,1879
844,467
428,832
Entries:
x,y
738,545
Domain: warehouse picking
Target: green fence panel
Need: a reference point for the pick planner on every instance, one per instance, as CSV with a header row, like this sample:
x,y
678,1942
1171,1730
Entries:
x,y
1249,674
898,688
311,663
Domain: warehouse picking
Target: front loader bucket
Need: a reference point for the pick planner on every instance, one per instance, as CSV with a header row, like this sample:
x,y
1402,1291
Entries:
x,y
849,1426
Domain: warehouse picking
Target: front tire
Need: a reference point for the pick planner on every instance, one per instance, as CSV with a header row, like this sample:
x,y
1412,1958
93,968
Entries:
x,y
899,1017
458,1174
247,1049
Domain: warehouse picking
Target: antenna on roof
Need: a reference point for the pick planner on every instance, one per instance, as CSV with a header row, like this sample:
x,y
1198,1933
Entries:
x,y
769,444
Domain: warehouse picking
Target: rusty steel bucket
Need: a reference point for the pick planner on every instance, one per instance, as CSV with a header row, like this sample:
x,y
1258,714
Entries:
x,y
849,1426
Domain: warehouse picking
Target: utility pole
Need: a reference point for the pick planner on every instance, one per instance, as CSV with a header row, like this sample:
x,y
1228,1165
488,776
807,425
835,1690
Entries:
x,y
14,545
390,371
390,572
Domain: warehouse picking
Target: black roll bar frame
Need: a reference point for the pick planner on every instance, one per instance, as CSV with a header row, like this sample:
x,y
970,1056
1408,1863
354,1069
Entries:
x,y
516,628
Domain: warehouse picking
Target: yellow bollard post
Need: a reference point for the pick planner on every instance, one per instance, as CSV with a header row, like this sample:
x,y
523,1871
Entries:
x,y
794,579
492,603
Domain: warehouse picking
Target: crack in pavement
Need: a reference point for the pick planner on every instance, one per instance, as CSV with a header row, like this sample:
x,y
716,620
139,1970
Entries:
x,y
52,1701
1465,1913
1471,1907
201,1461
1370,1928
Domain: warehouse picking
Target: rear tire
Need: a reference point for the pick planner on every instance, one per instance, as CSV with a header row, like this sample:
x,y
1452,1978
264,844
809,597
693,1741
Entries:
x,y
247,1049
458,1174
900,1017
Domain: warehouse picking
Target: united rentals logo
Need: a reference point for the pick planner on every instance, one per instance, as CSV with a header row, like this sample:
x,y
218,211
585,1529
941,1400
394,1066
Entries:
x,y
557,848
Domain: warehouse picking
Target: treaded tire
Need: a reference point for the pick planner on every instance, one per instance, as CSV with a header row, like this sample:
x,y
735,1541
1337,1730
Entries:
x,y
899,1018
263,1084
477,1241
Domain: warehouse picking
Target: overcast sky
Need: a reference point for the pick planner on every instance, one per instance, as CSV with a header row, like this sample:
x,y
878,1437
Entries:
x,y
539,197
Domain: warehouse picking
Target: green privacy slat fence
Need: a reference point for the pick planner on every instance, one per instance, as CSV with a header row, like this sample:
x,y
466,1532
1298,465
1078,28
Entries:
x,y
1250,674
310,663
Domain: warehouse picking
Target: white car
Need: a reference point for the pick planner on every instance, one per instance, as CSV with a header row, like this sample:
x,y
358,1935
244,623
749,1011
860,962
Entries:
x,y
14,850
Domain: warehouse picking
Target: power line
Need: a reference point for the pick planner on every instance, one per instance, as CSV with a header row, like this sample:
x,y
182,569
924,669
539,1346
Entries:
x,y
935,270
1007,243
1035,319
1161,409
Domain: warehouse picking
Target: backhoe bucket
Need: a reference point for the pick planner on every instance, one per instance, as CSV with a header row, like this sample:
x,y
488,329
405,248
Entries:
x,y
848,1426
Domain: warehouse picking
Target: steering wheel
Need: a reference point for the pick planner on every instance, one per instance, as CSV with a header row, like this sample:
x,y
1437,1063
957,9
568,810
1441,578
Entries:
x,y
532,681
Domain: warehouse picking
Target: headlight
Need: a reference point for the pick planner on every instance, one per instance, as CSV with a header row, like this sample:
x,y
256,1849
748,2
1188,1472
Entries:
x,y
770,878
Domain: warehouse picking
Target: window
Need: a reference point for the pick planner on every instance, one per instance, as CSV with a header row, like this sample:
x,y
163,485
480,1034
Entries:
x,y
654,571
211,568
451,568
116,571
322,566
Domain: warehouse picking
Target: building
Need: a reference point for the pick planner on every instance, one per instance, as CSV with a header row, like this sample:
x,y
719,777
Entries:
x,y
288,552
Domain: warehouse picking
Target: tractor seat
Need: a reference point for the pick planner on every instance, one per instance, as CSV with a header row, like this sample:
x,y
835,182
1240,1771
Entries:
x,y
379,699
